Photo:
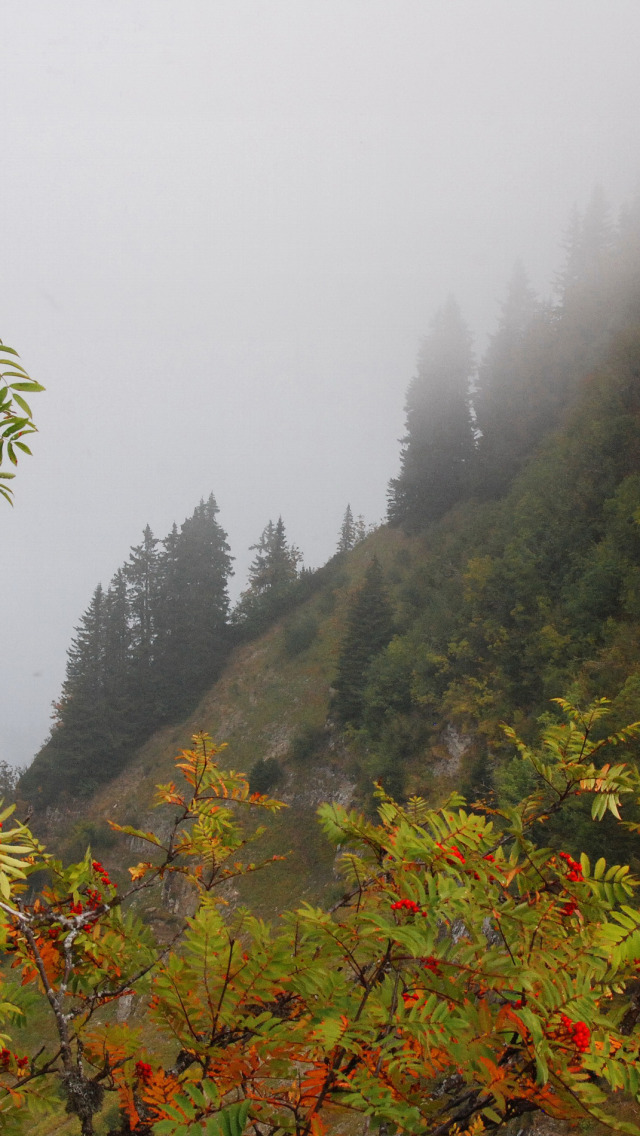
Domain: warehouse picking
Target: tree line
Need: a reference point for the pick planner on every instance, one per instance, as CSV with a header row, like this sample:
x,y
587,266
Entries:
x,y
470,429
149,645
520,488
157,637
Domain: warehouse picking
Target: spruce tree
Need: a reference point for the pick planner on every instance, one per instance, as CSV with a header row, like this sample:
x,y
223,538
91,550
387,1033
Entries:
x,y
516,392
196,600
587,287
117,636
167,617
438,446
79,751
142,576
272,575
347,539
369,628
85,657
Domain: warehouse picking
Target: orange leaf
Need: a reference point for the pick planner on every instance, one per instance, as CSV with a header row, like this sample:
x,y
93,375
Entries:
x,y
140,869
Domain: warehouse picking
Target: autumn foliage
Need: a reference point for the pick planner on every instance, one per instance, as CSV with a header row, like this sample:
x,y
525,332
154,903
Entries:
x,y
468,975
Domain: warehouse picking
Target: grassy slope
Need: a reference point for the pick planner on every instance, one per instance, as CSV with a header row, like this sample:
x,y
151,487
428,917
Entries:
x,y
263,699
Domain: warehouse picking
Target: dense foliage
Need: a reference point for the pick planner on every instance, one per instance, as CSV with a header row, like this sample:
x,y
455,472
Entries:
x,y
527,378
530,583
504,602
519,489
468,974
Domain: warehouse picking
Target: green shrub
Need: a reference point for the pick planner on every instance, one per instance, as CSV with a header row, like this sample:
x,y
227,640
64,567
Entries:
x,y
307,742
88,833
300,634
266,773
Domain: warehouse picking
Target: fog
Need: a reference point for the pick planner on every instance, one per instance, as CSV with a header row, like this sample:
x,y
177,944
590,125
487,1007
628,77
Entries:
x,y
225,227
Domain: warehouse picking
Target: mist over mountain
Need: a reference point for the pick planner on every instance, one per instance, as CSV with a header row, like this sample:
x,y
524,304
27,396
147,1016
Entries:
x,y
506,575
226,231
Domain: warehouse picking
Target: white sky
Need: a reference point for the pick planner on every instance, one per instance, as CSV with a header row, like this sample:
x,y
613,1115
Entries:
x,y
224,227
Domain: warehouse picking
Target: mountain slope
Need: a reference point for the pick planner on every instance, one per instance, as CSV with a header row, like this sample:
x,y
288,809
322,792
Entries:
x,y
499,607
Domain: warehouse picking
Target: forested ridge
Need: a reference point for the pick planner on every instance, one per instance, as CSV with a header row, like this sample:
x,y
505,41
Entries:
x,y
517,577
467,964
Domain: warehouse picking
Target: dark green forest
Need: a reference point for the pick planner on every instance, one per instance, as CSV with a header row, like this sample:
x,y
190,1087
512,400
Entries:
x,y
519,494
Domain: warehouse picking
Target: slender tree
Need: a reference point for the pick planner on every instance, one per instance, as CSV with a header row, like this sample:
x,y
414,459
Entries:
x,y
142,576
272,574
347,538
438,446
195,602
79,751
511,408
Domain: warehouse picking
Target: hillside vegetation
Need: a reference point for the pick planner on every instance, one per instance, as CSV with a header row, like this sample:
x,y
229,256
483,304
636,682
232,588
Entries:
x,y
509,573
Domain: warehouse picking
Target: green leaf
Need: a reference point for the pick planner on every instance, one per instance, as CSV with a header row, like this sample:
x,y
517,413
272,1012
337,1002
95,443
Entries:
x,y
492,1115
30,387
14,426
542,1069
22,404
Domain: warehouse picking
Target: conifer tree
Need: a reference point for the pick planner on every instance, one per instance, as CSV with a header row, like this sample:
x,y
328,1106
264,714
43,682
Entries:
x,y
167,611
517,389
587,285
196,569
272,574
117,634
85,657
142,576
78,752
589,243
347,538
142,654
438,446
369,627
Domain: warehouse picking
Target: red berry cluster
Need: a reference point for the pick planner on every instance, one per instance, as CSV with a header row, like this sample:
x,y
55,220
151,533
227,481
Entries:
x,y
407,905
492,860
409,997
144,1072
575,871
569,908
431,963
579,1033
103,873
94,899
76,908
454,851
5,1059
